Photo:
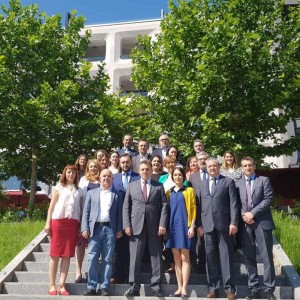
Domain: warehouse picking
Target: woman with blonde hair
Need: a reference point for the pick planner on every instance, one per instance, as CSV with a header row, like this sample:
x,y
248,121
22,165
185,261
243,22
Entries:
x,y
103,158
229,166
63,218
88,182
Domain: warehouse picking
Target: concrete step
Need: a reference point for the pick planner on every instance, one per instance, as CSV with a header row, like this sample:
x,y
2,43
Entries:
x,y
119,289
21,276
239,269
44,252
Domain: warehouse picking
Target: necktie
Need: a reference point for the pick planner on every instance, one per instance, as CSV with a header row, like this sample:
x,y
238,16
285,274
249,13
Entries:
x,y
125,183
248,189
145,190
203,176
213,186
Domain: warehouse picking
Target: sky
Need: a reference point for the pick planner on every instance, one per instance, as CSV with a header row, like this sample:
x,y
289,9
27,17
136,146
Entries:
x,y
102,11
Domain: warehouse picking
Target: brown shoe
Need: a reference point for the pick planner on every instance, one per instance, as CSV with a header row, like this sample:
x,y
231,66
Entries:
x,y
212,295
231,296
113,280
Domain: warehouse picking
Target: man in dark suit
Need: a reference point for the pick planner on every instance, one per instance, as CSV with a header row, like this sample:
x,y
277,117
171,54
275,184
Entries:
x,y
218,217
101,224
127,146
145,218
164,145
120,184
194,182
143,148
255,195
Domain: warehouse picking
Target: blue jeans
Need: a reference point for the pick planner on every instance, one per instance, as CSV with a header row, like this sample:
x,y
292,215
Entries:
x,y
102,242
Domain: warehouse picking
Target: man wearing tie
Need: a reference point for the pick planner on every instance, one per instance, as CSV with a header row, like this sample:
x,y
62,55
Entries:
x,y
101,224
143,148
145,218
196,178
217,219
255,195
120,184
194,182
127,146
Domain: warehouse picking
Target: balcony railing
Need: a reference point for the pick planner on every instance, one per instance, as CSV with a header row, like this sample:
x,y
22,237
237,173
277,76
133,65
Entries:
x,y
95,58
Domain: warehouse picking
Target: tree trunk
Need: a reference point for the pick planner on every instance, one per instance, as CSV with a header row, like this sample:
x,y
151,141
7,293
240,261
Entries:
x,y
33,179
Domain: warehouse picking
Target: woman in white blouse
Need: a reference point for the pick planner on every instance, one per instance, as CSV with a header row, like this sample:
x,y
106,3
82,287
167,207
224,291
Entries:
x,y
62,224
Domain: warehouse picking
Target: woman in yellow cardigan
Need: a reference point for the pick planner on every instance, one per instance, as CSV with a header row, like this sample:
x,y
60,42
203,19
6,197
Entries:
x,y
181,228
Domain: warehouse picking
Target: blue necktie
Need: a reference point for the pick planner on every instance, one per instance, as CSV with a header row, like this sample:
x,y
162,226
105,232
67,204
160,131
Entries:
x,y
125,183
248,188
213,186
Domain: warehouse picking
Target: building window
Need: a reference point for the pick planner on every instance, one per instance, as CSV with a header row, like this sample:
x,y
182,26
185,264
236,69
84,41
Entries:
x,y
127,45
127,87
96,51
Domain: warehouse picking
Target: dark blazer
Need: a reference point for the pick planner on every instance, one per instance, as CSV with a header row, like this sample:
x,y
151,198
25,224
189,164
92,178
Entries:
x,y
262,200
92,209
131,152
136,162
220,209
118,183
135,209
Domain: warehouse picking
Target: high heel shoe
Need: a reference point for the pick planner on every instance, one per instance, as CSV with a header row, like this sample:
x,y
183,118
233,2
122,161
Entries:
x,y
52,292
63,292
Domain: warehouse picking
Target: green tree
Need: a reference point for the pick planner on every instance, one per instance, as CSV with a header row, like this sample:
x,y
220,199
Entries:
x,y
224,71
51,109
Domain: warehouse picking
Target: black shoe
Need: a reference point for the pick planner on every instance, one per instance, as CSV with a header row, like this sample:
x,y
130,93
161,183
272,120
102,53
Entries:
x,y
157,293
253,295
90,292
131,293
270,296
105,292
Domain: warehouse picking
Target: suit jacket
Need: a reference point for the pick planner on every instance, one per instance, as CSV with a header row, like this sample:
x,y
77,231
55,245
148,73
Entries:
x,y
131,152
136,162
157,151
195,180
136,210
91,211
118,183
261,199
220,209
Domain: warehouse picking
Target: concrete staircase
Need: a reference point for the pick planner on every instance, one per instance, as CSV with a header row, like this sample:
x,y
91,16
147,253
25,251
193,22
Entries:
x,y
29,278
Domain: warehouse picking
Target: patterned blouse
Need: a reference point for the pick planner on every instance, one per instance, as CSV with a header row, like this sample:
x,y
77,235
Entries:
x,y
235,175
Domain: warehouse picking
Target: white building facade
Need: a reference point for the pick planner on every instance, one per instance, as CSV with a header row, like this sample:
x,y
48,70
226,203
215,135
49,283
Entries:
x,y
112,44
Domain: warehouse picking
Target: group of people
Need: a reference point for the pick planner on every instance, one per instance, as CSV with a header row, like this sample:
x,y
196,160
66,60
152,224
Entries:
x,y
118,205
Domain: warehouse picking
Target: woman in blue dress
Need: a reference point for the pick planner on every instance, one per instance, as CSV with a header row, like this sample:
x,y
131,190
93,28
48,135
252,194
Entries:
x,y
181,229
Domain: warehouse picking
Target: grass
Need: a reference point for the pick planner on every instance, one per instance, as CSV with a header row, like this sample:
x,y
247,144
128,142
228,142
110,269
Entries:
x,y
287,233
15,236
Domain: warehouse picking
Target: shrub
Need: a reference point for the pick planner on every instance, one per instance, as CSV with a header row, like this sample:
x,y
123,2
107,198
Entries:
x,y
17,214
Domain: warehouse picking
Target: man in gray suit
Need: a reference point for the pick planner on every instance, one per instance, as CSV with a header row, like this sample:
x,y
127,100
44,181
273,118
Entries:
x,y
143,147
217,219
255,195
101,224
145,218
196,178
194,182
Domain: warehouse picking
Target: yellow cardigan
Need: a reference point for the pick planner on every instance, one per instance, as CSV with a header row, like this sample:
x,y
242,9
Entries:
x,y
190,203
